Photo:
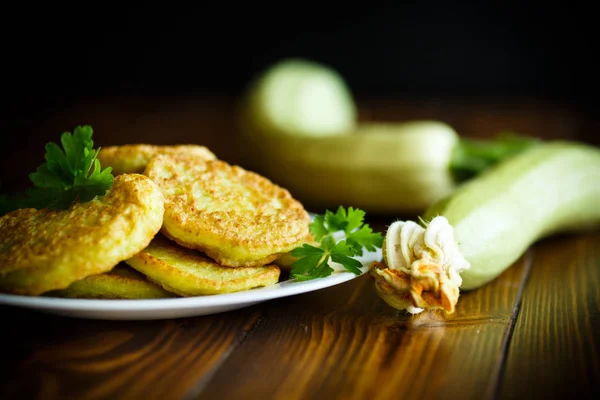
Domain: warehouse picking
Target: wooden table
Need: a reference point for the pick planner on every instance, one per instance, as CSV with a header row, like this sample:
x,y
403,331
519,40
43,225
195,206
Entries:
x,y
532,333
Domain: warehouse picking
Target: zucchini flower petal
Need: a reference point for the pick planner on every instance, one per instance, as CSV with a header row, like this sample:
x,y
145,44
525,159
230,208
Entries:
x,y
421,268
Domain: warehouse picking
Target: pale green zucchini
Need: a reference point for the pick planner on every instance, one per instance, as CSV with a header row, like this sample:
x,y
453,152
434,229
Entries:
x,y
299,126
380,168
298,97
488,223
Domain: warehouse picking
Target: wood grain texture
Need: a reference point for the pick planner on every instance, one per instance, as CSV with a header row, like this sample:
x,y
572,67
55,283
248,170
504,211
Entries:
x,y
341,342
87,359
345,342
555,350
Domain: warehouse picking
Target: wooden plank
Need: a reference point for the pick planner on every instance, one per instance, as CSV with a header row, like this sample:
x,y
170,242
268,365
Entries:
x,y
555,351
345,342
57,358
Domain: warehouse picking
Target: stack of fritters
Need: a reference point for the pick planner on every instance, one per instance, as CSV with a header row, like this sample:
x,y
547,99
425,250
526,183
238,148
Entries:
x,y
190,225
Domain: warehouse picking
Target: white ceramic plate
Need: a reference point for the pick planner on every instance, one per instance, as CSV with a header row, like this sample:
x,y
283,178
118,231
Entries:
x,y
180,307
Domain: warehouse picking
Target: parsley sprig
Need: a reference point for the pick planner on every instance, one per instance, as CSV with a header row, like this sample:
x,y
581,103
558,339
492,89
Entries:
x,y
71,173
313,261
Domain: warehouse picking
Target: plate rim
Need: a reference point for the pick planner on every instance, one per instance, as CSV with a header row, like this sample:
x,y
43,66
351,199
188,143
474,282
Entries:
x,y
281,289
193,305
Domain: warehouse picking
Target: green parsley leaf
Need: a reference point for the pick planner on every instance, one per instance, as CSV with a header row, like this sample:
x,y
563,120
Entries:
x,y
336,221
312,267
364,238
70,174
313,262
355,219
342,253
327,243
318,228
307,250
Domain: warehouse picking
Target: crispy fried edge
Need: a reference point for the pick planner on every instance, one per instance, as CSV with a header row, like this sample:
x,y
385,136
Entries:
x,y
147,264
94,287
133,158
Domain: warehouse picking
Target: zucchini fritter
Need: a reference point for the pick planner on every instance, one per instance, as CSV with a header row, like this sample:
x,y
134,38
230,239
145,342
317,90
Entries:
x,y
133,158
237,217
122,282
190,273
43,250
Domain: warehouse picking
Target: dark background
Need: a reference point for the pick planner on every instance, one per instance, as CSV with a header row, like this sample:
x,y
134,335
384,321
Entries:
x,y
403,49
55,57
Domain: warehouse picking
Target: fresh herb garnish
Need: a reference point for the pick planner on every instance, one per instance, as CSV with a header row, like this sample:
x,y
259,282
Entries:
x,y
313,262
71,173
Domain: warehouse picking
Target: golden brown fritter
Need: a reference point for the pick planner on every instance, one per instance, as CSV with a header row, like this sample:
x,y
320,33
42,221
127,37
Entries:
x,y
122,282
133,158
190,273
237,217
42,250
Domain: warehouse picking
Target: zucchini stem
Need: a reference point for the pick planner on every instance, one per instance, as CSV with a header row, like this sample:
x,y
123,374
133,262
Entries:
x,y
470,157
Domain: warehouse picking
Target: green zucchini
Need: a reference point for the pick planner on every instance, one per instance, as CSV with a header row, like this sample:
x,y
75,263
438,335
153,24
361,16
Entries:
x,y
298,97
299,123
473,235
380,168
